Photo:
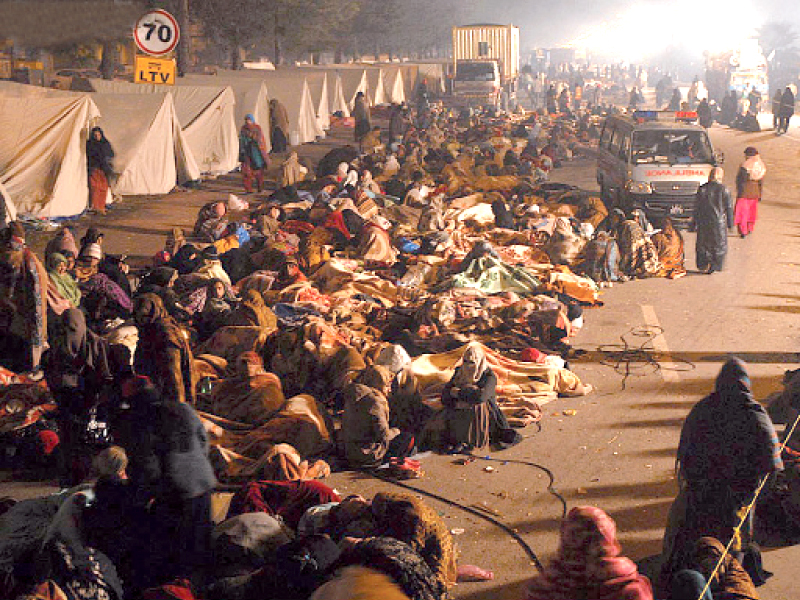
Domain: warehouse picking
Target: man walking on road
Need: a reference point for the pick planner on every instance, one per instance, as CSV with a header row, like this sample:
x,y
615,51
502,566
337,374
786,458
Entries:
x,y
786,110
713,216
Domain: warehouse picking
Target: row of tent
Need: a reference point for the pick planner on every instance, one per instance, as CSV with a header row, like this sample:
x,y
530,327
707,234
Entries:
x,y
162,136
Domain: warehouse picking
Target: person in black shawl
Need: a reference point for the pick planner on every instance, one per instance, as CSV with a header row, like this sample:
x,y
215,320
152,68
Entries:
x,y
98,159
76,370
728,444
713,216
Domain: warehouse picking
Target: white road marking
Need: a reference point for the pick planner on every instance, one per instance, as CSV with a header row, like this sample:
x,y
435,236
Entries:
x,y
668,372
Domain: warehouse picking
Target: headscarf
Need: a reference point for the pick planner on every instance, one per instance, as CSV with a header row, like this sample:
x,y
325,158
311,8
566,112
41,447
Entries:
x,y
278,116
62,241
588,563
75,347
377,377
292,170
706,452
149,309
473,366
99,152
64,284
755,167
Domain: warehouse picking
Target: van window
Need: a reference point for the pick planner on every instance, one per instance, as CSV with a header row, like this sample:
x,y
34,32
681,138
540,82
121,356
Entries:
x,y
671,147
605,137
625,147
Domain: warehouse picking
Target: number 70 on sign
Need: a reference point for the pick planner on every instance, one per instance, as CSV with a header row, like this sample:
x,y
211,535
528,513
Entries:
x,y
156,33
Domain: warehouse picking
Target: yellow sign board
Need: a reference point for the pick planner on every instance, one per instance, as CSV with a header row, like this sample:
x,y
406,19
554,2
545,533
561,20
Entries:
x,y
160,71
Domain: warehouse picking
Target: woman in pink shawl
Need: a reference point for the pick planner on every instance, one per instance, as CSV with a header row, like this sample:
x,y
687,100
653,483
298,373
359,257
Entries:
x,y
749,187
588,564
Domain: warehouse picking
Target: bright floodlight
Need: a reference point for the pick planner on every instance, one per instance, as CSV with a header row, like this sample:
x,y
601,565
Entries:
x,y
647,29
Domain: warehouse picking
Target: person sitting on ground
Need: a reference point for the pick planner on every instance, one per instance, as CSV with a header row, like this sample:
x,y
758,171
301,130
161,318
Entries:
x,y
731,581
367,438
371,141
669,244
62,291
292,172
216,310
211,222
103,299
473,420
588,563
638,256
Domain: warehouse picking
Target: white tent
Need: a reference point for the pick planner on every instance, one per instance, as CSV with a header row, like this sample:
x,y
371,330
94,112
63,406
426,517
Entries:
x,y
9,209
318,84
43,149
294,94
207,117
251,96
151,152
293,79
337,102
377,86
353,81
393,83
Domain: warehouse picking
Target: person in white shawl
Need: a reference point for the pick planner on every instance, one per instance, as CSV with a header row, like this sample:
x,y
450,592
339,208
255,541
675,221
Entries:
x,y
749,188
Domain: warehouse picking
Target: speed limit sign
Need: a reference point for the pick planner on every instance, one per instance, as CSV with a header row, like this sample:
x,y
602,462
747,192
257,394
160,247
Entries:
x,y
156,33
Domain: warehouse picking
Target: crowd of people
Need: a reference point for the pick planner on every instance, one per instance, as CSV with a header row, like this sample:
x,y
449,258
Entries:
x,y
417,292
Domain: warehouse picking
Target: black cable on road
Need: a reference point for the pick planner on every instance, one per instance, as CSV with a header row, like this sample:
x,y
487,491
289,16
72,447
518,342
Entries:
x,y
477,513
629,359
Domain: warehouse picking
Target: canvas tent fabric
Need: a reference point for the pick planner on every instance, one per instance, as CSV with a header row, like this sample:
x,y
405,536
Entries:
x,y
251,96
320,95
294,94
393,84
8,210
353,81
207,117
377,86
152,154
43,149
337,103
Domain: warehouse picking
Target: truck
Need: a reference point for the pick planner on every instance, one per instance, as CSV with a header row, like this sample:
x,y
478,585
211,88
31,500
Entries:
x,y
742,70
486,64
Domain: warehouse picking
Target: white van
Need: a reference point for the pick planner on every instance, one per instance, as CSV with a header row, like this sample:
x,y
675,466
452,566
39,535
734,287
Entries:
x,y
655,161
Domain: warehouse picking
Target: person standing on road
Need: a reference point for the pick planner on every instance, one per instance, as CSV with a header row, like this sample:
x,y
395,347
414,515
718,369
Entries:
x,y
787,110
776,110
749,188
252,154
728,445
99,154
713,216
363,122
279,126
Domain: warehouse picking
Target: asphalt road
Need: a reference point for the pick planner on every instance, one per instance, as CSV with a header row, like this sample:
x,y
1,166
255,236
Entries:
x,y
618,450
